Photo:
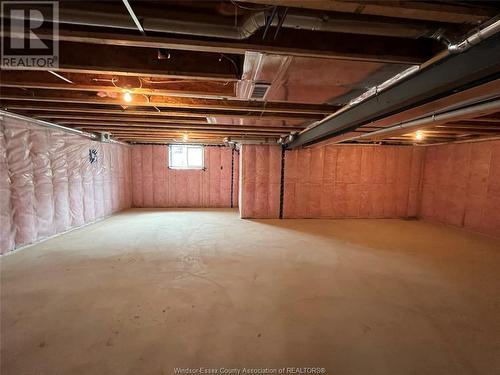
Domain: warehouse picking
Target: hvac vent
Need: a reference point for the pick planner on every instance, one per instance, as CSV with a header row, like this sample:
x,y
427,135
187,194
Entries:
x,y
105,136
259,90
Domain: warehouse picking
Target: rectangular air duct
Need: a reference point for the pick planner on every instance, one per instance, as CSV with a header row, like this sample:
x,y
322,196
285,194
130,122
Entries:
x,y
259,91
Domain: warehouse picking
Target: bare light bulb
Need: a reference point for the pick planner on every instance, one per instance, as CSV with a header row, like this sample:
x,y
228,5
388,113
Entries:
x,y
419,135
185,137
127,97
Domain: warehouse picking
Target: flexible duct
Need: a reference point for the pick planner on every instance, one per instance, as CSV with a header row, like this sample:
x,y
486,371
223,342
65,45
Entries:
x,y
179,23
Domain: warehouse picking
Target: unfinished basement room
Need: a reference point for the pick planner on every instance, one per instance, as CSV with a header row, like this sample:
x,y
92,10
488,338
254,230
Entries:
x,y
261,187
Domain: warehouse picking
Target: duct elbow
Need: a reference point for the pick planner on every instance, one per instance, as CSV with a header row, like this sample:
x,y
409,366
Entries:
x,y
251,25
459,47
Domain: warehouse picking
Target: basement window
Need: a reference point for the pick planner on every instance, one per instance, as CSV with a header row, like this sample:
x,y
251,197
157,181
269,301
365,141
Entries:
x,y
185,157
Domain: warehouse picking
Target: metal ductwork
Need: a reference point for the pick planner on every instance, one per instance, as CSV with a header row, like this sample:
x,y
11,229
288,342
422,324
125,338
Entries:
x,y
456,48
183,23
431,121
475,38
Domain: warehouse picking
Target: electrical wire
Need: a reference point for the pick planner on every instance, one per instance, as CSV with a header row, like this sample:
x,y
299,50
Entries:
x,y
236,69
114,80
147,80
236,4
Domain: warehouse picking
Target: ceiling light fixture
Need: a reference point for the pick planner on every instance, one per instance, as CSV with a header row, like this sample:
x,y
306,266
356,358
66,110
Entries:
x,y
419,135
127,96
185,137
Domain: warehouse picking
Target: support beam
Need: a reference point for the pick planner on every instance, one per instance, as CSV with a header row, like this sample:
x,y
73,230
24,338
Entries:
x,y
154,121
456,72
115,83
180,127
388,50
417,10
159,101
54,109
122,119
204,133
116,59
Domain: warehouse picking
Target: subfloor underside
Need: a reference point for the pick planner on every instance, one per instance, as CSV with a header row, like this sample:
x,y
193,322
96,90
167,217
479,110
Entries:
x,y
146,291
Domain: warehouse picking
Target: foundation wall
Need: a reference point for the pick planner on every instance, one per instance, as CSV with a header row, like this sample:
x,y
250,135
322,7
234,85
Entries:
x,y
154,184
48,185
352,182
260,175
456,184
461,186
331,182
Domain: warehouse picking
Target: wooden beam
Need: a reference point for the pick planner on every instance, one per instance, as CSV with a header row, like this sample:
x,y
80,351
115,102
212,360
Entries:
x,y
472,126
485,120
390,50
190,134
54,109
469,122
199,133
155,127
416,10
122,119
452,130
118,83
164,102
153,121
116,59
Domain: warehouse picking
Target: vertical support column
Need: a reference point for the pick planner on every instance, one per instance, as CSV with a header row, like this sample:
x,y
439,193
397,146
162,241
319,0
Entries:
x,y
232,177
282,180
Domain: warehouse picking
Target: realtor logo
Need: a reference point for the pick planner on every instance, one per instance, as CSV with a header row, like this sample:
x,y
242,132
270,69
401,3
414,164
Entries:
x,y
30,35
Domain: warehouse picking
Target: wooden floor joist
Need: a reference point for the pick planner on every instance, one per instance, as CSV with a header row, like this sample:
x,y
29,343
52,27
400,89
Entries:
x,y
82,97
388,50
117,83
183,81
52,110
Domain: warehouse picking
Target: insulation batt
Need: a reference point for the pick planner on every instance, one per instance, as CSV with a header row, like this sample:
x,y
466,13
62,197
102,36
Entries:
x,y
156,185
260,177
331,182
48,185
456,184
352,182
461,186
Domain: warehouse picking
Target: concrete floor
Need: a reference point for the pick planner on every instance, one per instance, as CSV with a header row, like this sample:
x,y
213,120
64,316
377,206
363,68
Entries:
x,y
149,290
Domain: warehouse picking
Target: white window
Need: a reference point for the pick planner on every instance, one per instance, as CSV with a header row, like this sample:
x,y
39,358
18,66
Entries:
x,y
185,157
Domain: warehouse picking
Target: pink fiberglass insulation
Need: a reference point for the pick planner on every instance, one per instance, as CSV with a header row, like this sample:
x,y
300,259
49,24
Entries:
x,y
154,184
48,184
236,178
331,181
7,232
461,186
352,182
260,174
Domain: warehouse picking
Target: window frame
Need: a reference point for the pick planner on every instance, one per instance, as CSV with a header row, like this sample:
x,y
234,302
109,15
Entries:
x,y
186,167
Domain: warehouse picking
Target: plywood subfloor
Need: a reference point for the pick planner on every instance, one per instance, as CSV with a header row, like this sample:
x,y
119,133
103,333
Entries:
x,y
149,290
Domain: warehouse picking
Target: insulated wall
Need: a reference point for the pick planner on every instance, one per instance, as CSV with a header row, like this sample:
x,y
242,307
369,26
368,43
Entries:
x,y
461,186
331,182
154,184
352,182
48,184
260,174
